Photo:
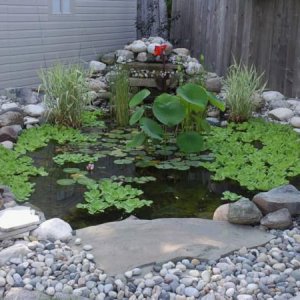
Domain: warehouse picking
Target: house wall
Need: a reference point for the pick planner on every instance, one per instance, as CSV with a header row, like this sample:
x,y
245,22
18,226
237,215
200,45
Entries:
x,y
265,33
31,37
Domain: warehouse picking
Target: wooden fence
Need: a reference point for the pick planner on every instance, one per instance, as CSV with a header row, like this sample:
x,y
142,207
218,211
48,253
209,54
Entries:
x,y
265,33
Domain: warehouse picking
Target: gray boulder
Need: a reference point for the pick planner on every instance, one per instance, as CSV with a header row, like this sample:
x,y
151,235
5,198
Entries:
x,y
286,196
244,212
280,219
97,66
24,95
53,229
109,58
213,84
281,114
8,133
270,96
34,110
11,118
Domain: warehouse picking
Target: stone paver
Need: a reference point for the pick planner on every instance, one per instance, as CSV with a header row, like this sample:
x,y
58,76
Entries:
x,y
121,246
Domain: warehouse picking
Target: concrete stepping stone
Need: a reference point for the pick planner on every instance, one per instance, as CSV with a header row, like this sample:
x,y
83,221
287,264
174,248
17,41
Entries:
x,y
17,221
121,246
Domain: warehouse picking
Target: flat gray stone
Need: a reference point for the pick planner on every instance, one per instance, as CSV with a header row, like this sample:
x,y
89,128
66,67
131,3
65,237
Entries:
x,y
17,217
22,294
18,233
121,246
286,196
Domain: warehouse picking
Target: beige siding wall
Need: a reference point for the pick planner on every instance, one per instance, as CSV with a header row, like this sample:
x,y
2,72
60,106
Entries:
x,y
32,37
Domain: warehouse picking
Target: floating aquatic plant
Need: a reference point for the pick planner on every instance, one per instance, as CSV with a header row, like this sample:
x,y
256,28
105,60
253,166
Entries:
x,y
107,194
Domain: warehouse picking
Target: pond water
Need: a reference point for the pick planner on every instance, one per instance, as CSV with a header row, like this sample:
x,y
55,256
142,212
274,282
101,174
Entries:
x,y
174,193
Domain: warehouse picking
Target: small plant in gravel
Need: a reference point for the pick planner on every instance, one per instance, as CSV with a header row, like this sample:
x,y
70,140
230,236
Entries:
x,y
66,94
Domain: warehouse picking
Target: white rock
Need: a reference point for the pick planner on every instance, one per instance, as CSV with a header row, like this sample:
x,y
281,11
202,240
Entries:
x,y
281,114
124,55
182,51
272,96
7,144
17,217
193,68
97,66
34,110
53,229
31,121
156,40
78,241
297,110
138,46
142,57
295,122
15,251
6,106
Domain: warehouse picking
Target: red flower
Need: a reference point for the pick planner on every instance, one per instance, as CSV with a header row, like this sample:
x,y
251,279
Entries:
x,y
159,50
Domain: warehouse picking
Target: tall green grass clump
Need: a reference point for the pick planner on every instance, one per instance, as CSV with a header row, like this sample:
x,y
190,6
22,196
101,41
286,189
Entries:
x,y
121,96
241,84
66,94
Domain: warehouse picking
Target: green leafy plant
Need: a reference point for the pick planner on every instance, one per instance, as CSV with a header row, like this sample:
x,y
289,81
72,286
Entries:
x,y
187,110
38,137
92,119
229,196
75,158
258,155
120,99
241,84
107,194
66,94
15,172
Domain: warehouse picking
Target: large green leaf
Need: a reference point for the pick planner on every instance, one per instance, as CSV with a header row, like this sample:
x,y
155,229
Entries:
x,y
139,98
152,128
168,109
213,100
194,94
136,116
137,141
190,142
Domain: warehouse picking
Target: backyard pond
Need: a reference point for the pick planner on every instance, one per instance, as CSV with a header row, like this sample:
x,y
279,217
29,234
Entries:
x,y
174,193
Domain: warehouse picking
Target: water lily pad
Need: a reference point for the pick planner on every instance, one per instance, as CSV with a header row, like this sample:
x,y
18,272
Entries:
x,y
152,128
139,98
123,161
65,182
190,142
136,116
71,170
168,109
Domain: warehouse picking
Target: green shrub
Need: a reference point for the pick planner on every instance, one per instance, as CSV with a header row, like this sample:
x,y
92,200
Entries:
x,y
241,84
120,91
66,94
